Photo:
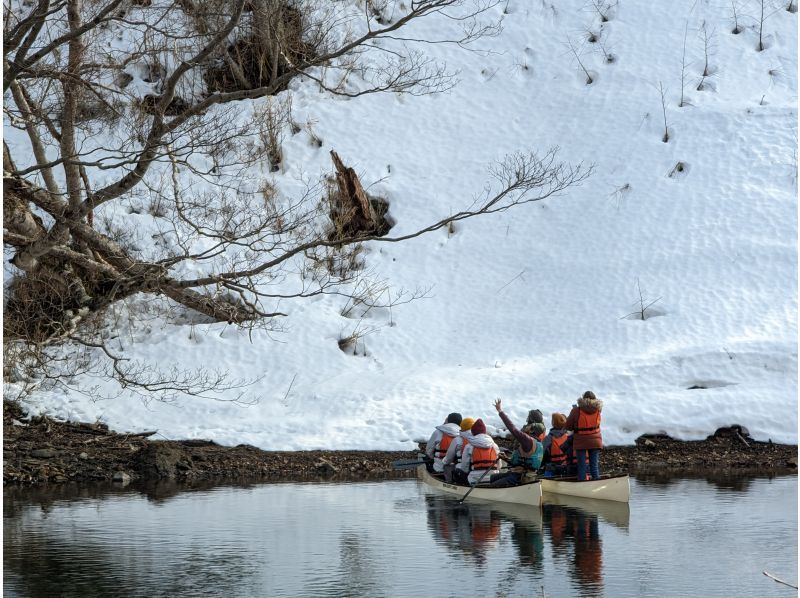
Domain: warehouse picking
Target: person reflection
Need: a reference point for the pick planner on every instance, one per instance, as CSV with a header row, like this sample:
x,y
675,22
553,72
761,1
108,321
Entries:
x,y
575,540
588,551
469,531
526,533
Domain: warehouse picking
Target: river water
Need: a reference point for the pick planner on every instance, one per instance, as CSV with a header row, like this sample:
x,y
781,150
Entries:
x,y
680,537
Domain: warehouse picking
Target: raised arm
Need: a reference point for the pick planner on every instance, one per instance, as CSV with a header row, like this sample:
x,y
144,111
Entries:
x,y
525,441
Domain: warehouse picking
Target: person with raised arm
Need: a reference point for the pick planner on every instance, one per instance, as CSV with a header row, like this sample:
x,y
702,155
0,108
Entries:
x,y
526,458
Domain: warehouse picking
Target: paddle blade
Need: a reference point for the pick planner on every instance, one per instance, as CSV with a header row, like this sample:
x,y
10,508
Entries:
x,y
407,464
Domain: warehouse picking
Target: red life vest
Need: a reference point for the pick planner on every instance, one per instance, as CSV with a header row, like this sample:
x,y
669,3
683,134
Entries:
x,y
483,458
444,444
588,423
557,454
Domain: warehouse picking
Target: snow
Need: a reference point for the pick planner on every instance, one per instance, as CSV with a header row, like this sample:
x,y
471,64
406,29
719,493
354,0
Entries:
x,y
530,305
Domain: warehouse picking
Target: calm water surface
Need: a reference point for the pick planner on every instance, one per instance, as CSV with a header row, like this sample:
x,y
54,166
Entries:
x,y
395,538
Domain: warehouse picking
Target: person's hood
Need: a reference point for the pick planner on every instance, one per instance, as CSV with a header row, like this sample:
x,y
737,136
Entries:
x,y
466,434
557,432
590,405
449,429
481,441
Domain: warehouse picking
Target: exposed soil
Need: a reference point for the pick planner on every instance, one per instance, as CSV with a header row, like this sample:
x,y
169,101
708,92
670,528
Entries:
x,y
42,450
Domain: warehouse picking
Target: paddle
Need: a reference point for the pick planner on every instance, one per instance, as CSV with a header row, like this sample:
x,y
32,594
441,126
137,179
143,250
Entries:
x,y
409,464
483,475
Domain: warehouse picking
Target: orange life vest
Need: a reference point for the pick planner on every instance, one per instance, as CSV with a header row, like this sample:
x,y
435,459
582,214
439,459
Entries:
x,y
588,423
540,437
460,450
444,444
483,458
557,454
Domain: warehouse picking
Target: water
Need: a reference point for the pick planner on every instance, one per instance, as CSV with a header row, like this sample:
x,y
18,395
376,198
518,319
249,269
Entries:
x,y
394,538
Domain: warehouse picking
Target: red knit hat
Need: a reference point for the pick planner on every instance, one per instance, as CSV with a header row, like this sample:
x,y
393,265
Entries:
x,y
478,427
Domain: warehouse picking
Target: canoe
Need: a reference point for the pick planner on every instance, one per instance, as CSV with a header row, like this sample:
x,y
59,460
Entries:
x,y
616,487
524,494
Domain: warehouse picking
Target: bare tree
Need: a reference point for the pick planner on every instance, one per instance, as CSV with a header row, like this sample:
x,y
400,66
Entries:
x,y
736,29
707,37
682,103
158,120
665,137
761,20
643,305
589,79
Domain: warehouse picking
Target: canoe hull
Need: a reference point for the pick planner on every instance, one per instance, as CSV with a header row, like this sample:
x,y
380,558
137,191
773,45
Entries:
x,y
526,494
616,488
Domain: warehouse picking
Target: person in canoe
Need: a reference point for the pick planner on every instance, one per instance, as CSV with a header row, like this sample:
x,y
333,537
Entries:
x,y
535,417
453,456
526,458
480,455
440,440
584,421
557,447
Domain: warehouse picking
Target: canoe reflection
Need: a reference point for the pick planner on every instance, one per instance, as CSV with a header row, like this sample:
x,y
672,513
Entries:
x,y
473,529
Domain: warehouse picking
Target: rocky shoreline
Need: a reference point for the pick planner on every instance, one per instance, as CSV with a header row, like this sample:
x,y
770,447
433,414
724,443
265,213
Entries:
x,y
42,450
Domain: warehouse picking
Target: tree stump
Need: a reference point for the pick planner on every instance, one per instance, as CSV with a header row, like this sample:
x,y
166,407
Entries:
x,y
355,212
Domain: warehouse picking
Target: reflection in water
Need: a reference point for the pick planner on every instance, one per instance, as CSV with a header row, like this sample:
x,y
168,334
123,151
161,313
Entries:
x,y
469,529
389,539
575,537
473,530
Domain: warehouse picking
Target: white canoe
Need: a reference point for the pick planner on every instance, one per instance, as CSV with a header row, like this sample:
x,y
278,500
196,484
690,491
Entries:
x,y
524,494
617,488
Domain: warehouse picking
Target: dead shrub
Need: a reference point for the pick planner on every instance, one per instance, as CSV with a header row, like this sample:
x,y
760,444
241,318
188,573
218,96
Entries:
x,y
272,119
38,307
270,44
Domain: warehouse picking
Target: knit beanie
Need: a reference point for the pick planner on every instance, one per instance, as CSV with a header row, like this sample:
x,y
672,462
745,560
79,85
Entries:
x,y
535,416
537,429
478,427
454,418
559,420
466,424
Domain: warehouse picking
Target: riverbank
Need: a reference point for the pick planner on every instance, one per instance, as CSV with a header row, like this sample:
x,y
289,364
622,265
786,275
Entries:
x,y
42,450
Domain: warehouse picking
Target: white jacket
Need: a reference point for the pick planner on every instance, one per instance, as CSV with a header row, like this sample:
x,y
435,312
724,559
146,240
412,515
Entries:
x,y
482,441
454,450
436,440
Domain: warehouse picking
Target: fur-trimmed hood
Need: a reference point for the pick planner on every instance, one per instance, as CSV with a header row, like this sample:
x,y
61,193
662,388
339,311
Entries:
x,y
590,405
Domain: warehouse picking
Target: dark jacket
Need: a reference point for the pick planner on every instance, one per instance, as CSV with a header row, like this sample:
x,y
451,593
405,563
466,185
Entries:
x,y
526,442
593,440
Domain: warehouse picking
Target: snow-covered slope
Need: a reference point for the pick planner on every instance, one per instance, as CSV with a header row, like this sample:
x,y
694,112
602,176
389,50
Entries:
x,y
531,305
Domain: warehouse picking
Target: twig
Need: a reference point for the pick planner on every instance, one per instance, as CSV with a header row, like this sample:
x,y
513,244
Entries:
x,y
288,390
665,138
740,437
512,280
778,580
